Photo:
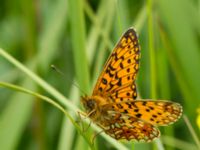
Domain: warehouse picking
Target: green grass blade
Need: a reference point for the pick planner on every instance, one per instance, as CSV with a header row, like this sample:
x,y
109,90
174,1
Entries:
x,y
78,31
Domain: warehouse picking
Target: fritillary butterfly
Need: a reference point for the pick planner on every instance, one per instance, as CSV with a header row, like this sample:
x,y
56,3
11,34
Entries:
x,y
113,105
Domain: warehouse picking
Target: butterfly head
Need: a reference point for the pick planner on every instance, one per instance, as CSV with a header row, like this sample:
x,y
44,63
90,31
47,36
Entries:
x,y
89,103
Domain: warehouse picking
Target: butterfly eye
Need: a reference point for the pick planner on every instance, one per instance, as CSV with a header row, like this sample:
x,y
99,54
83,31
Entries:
x,y
91,104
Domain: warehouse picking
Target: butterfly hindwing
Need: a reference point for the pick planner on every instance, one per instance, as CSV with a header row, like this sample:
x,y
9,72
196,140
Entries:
x,y
123,126
159,113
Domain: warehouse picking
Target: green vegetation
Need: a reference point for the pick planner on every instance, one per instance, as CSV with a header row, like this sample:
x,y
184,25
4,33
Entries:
x,y
39,107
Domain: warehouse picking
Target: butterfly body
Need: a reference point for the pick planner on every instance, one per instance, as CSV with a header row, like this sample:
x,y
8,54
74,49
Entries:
x,y
94,106
113,105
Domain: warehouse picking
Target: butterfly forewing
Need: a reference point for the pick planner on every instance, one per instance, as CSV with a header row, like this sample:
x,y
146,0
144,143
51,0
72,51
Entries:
x,y
119,73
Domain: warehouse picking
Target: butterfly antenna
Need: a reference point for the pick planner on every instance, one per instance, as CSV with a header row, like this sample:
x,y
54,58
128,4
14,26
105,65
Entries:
x,y
73,83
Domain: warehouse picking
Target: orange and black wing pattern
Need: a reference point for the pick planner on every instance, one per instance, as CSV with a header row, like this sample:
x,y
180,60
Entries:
x,y
138,119
117,80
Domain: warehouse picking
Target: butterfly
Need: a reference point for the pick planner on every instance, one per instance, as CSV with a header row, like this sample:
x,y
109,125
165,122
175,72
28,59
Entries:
x,y
113,105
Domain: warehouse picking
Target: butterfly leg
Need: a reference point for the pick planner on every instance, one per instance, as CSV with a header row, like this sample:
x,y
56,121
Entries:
x,y
95,136
80,114
79,120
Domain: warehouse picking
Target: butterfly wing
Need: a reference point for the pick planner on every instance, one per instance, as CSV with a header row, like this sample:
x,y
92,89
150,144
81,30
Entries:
x,y
122,126
137,120
117,80
159,113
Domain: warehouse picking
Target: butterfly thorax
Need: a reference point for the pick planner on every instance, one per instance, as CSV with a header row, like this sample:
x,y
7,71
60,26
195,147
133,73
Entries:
x,y
93,106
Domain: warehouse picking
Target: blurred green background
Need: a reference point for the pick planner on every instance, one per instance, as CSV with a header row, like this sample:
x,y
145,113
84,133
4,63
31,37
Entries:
x,y
77,36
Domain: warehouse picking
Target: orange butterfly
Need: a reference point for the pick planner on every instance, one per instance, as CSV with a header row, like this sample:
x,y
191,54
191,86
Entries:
x,y
113,105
